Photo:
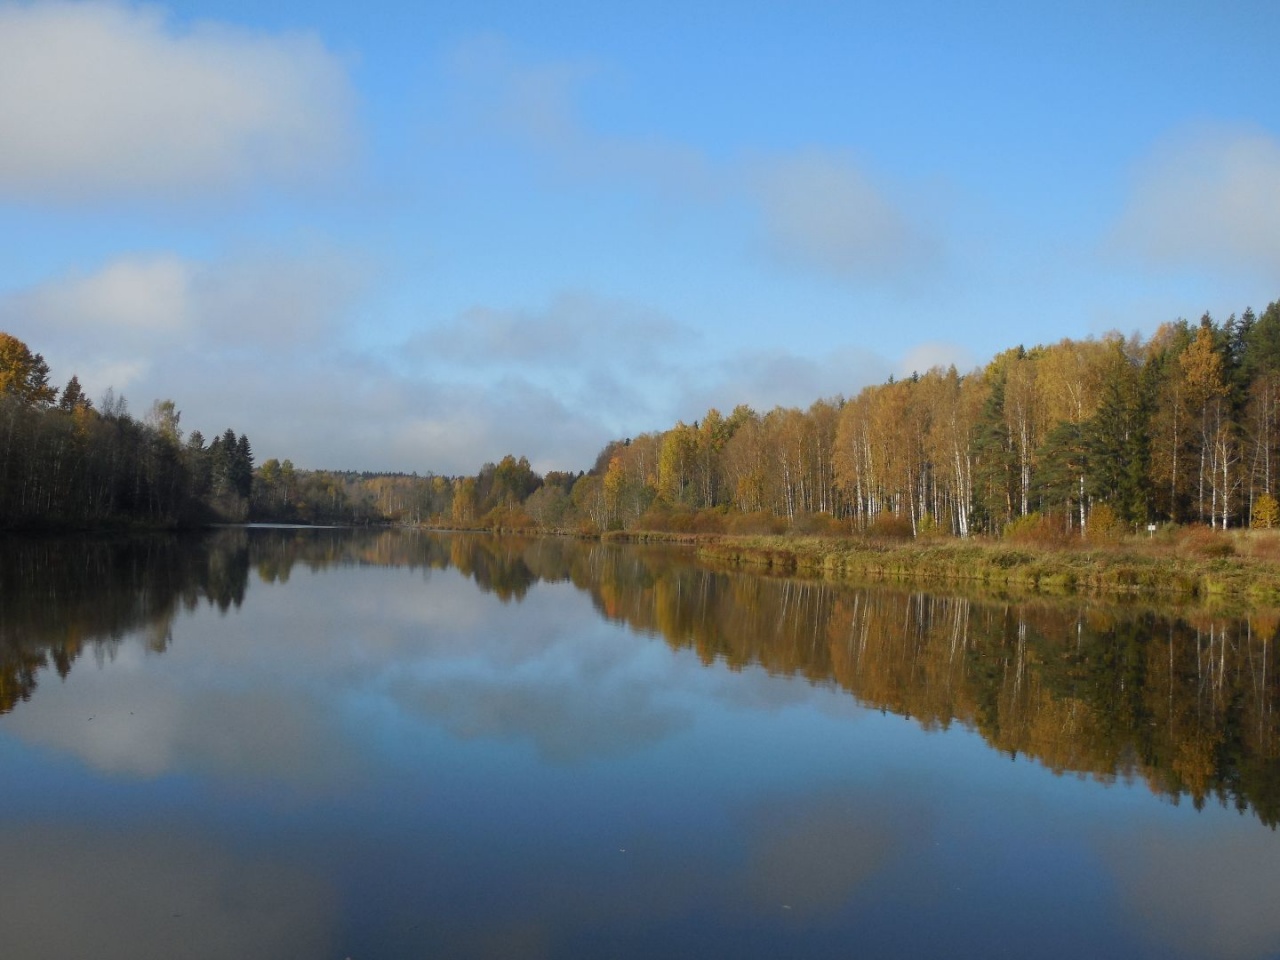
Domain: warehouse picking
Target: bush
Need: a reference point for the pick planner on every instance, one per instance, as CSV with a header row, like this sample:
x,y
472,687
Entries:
x,y
1046,529
507,517
818,525
889,526
757,523
1105,526
664,518
1204,541
928,528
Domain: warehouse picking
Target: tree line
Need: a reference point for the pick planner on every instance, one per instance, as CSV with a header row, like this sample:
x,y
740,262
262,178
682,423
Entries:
x,y
1056,440
1101,434
65,461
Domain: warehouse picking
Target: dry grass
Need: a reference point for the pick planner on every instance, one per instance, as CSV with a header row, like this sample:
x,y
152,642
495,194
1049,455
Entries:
x,y
1195,563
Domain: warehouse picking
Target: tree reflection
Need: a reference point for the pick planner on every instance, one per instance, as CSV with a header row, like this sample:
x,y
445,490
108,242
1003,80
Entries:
x,y
1184,701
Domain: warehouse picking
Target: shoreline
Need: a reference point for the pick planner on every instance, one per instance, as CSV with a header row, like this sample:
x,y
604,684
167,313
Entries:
x,y
1164,568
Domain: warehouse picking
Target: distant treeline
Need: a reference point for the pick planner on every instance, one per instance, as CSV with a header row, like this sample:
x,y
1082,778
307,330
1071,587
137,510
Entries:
x,y
1057,440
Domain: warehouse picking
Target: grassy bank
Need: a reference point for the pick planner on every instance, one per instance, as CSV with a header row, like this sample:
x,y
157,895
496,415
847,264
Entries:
x,y
1191,564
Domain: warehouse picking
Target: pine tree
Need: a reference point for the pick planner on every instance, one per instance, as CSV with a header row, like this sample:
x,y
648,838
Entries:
x,y
1117,441
994,467
73,397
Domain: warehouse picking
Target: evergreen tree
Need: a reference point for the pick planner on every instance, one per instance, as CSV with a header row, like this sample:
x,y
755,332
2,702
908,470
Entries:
x,y
242,467
73,397
1064,459
994,467
1117,441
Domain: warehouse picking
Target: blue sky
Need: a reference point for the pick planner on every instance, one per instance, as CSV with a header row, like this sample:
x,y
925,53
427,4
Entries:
x,y
421,236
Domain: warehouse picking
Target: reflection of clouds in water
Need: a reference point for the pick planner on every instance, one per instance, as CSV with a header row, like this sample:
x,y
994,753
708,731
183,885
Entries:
x,y
1201,893
546,671
69,892
568,720
263,693
135,726
813,853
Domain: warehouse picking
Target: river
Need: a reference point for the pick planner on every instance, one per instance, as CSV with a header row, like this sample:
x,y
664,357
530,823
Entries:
x,y
372,744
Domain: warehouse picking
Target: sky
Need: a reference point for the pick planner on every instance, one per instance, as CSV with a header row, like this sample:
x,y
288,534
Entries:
x,y
419,236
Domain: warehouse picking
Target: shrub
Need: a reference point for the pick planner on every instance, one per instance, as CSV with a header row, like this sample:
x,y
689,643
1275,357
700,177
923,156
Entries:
x,y
759,522
1104,525
818,524
1205,541
929,528
889,526
507,517
1038,528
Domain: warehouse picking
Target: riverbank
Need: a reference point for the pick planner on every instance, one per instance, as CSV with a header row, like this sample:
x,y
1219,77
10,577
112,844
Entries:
x,y
1194,564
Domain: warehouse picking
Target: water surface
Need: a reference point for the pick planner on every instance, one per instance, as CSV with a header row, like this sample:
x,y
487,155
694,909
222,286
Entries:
x,y
282,743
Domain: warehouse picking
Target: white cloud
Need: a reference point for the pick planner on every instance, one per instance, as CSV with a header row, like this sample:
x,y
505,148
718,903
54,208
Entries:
x,y
575,330
267,343
456,430
765,379
268,297
1208,197
140,319
278,300
105,99
537,105
534,101
822,211
936,353
136,295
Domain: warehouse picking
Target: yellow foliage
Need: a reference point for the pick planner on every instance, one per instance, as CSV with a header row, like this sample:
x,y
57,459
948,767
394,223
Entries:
x,y
1266,512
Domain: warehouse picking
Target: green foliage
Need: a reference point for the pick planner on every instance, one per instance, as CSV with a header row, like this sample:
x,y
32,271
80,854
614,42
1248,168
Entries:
x,y
74,466
993,471
1116,440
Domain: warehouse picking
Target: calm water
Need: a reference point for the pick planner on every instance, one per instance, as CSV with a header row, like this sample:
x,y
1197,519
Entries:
x,y
278,743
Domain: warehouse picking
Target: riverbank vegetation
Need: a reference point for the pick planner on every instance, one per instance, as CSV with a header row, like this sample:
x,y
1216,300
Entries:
x,y
1189,563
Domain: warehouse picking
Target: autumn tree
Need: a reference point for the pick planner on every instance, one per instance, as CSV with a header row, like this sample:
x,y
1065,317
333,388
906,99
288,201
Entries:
x,y
24,375
676,463
1202,368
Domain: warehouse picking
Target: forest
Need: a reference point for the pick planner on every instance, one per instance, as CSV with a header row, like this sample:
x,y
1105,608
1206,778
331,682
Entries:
x,y
1097,434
